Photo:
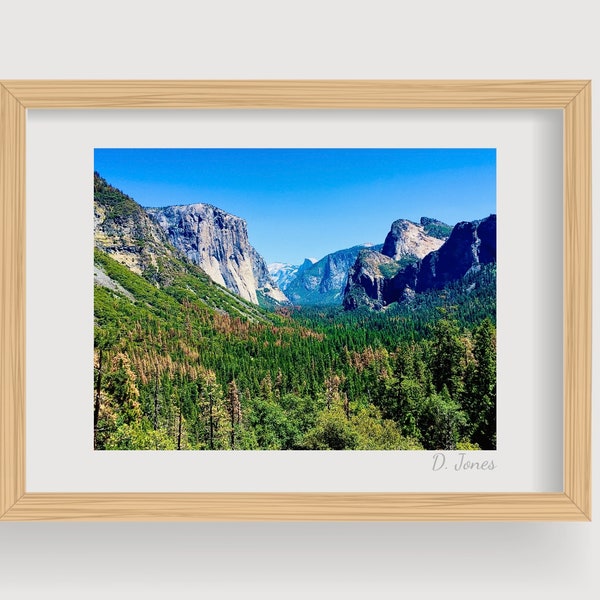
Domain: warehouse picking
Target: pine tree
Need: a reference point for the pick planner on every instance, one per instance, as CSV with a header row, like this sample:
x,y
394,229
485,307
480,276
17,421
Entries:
x,y
234,408
121,384
481,392
448,358
212,412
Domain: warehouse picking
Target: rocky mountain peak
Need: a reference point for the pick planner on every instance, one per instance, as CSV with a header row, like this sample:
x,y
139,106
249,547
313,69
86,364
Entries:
x,y
308,262
409,240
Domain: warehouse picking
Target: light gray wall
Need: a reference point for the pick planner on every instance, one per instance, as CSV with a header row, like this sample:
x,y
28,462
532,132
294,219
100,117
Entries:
x,y
308,39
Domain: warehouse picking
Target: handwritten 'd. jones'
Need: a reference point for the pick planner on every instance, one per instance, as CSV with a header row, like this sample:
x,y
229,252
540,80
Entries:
x,y
460,462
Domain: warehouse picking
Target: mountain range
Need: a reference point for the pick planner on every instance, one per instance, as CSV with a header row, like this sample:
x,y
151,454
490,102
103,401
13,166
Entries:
x,y
324,282
378,279
318,282
414,257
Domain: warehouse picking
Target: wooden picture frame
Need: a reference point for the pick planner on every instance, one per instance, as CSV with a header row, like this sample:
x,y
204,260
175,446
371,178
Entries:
x,y
572,97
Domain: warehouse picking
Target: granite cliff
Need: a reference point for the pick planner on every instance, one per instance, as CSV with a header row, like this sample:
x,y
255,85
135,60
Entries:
x,y
409,240
218,243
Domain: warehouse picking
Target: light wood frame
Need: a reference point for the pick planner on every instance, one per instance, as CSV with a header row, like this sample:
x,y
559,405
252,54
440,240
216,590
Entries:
x,y
572,97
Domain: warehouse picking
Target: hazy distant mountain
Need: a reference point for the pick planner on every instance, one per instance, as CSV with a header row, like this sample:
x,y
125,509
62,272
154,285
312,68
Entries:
x,y
321,282
283,274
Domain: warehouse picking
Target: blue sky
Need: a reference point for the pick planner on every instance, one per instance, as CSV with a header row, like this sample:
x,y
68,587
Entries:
x,y
301,203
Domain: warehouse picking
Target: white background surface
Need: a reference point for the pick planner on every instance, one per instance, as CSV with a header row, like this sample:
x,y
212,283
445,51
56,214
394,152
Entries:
x,y
271,39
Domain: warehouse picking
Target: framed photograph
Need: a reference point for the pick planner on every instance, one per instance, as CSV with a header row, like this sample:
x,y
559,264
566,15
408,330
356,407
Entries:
x,y
295,300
